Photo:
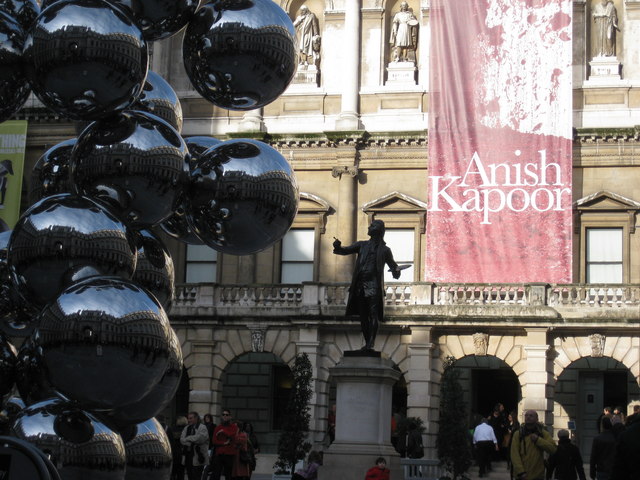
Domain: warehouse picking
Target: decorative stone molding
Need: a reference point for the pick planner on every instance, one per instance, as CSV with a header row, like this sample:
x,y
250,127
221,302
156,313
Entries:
x,y
480,343
337,172
257,340
597,341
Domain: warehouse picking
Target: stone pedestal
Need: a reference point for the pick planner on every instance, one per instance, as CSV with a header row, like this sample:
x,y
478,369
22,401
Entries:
x,y
306,75
401,73
604,71
363,417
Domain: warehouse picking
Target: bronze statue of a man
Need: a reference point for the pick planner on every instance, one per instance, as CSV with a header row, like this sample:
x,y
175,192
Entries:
x,y
366,293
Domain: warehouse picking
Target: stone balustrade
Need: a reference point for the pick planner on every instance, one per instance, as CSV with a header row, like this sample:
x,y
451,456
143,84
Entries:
x,y
570,301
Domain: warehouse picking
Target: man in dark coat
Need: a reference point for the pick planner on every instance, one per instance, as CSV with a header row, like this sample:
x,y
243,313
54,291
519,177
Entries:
x,y
366,293
626,463
566,462
603,451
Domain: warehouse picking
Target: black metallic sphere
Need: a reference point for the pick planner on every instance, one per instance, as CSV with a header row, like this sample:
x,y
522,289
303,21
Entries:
x,y
243,197
14,89
85,59
240,55
24,11
154,270
8,362
65,238
105,342
31,378
148,453
50,174
160,19
79,445
160,99
134,161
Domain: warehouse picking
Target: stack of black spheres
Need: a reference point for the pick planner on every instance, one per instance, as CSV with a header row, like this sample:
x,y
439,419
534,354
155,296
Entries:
x,y
85,279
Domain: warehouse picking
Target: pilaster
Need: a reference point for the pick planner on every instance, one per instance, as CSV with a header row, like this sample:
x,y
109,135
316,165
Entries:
x,y
537,378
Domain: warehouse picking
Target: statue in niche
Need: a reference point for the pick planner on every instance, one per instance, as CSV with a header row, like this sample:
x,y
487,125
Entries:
x,y
480,343
605,17
404,34
308,32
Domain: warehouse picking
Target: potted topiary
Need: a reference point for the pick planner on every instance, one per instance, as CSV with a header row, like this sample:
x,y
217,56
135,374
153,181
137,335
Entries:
x,y
292,444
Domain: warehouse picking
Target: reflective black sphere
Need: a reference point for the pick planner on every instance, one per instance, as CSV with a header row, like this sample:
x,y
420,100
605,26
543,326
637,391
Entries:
x,y
85,59
243,197
240,55
79,445
31,378
8,362
50,174
14,88
159,98
24,11
160,19
62,239
105,342
134,161
148,453
154,270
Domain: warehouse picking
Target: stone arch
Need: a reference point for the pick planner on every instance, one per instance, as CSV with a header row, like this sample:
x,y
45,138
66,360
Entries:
x,y
625,350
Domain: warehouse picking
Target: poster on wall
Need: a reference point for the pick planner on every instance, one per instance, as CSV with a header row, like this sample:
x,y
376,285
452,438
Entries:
x,y
500,136
13,139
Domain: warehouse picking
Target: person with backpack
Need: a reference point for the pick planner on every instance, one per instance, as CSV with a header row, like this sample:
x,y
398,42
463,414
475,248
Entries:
x,y
528,446
566,462
415,449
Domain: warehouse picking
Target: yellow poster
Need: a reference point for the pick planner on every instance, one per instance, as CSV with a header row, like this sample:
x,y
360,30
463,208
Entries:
x,y
13,140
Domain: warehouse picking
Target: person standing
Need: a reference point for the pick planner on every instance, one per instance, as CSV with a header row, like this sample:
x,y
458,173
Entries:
x,y
224,437
243,461
566,462
528,446
603,450
174,433
626,462
208,422
195,441
379,471
485,443
366,292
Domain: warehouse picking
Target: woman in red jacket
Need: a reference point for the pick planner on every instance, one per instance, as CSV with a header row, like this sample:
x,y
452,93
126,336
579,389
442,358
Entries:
x,y
379,472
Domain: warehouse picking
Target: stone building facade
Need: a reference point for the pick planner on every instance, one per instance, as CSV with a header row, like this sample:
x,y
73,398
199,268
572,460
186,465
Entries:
x,y
354,127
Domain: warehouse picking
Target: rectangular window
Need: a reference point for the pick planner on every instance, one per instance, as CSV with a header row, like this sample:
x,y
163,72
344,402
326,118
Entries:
x,y
604,255
298,247
201,264
401,243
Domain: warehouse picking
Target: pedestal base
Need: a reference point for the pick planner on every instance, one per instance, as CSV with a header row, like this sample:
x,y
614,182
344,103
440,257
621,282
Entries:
x,y
401,73
306,75
364,384
604,71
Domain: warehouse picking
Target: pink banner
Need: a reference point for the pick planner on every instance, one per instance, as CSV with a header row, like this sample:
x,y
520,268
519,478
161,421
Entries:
x,y
500,133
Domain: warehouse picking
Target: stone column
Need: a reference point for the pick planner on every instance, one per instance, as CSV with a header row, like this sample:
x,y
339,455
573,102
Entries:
x,y
538,375
419,384
349,117
346,211
363,418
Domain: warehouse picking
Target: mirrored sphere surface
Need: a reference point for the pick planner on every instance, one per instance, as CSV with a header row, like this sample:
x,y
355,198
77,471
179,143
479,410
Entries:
x,y
154,269
160,99
14,89
148,453
85,59
50,174
240,55
64,238
243,197
105,342
160,19
79,445
24,11
31,378
134,161
8,362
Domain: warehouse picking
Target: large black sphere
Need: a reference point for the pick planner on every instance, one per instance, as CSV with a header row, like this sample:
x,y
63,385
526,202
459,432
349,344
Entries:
x,y
243,197
160,19
105,342
14,89
154,270
79,445
65,238
8,362
31,378
240,55
85,59
50,174
149,453
159,98
24,11
134,161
